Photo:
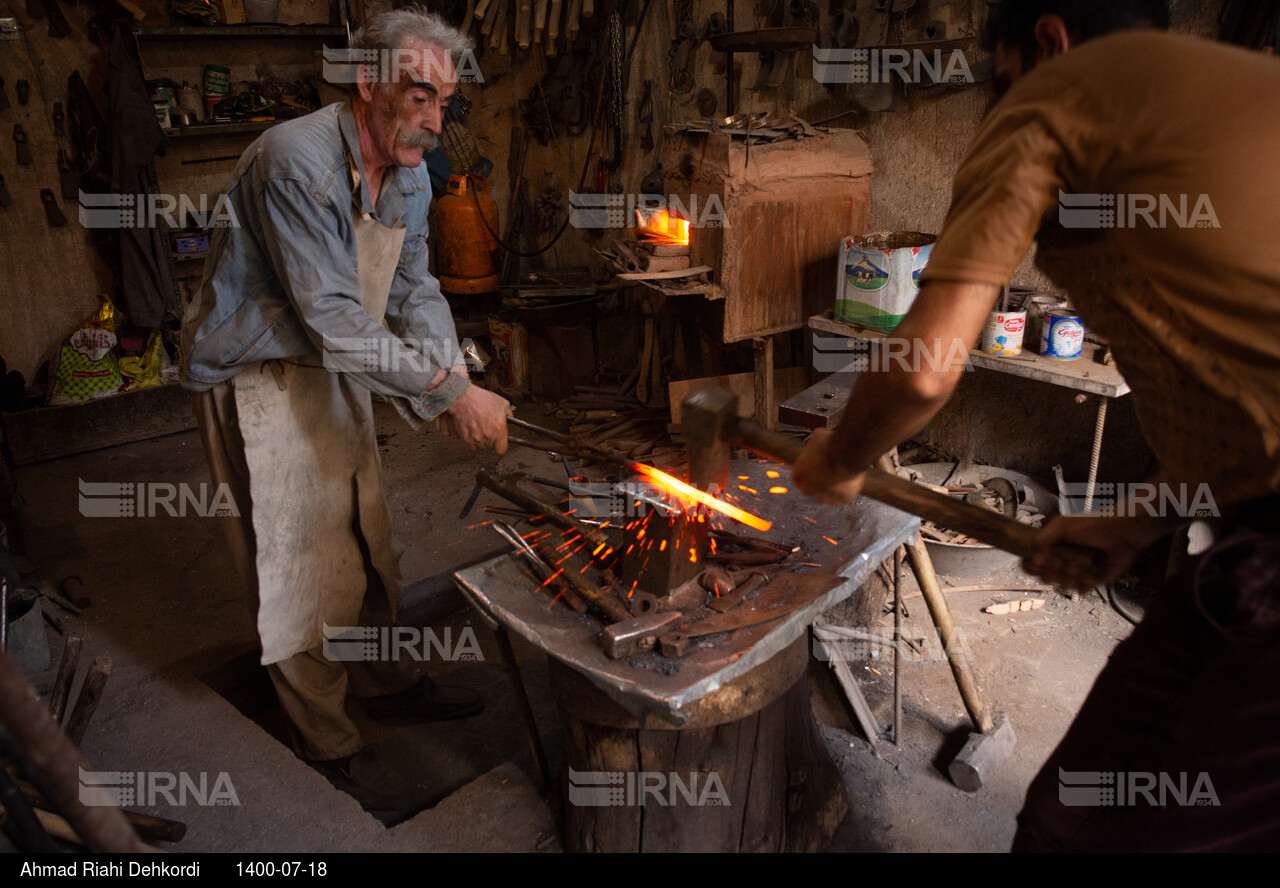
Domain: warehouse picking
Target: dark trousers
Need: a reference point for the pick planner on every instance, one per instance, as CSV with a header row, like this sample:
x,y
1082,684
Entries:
x,y
1188,709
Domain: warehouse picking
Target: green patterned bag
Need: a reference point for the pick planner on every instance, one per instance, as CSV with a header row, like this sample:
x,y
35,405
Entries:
x,y
85,365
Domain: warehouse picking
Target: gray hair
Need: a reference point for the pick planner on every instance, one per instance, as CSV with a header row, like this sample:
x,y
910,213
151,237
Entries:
x,y
396,29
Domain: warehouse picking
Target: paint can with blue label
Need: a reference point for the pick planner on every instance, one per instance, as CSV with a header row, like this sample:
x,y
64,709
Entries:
x,y
1061,334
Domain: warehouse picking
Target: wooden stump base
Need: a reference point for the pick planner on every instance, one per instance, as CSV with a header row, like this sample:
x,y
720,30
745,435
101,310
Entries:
x,y
748,772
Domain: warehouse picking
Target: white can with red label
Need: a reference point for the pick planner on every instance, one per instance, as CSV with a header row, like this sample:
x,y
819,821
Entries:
x,y
1061,334
1003,334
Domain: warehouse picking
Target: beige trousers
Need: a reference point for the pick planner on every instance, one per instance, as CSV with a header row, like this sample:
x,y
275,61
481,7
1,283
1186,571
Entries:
x,y
312,689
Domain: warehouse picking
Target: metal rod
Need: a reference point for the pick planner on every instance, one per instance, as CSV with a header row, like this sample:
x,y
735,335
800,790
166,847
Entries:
x,y
541,430
897,647
1097,451
540,568
506,488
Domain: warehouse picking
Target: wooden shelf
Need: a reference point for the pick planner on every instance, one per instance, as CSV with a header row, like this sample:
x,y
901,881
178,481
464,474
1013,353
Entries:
x,y
1083,374
220,129
235,32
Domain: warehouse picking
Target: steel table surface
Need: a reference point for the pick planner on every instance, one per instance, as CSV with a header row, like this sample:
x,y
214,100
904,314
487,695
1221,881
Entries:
x,y
846,541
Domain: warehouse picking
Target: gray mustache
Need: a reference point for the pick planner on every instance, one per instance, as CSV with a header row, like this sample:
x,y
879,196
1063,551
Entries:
x,y
425,141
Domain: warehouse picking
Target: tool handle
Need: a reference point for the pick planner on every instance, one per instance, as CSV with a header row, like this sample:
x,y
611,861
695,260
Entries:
x,y
983,525
989,527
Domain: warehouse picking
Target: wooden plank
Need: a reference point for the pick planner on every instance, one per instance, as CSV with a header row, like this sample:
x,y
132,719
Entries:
x,y
861,709
46,433
665,275
766,402
1084,374
786,382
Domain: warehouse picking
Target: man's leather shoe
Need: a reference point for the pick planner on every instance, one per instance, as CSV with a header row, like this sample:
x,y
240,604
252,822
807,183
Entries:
x,y
357,776
427,701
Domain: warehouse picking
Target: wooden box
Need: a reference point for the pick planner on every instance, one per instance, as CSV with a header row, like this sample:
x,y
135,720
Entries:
x,y
786,207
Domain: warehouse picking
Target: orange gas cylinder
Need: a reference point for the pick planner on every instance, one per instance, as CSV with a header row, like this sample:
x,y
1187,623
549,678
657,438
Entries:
x,y
464,247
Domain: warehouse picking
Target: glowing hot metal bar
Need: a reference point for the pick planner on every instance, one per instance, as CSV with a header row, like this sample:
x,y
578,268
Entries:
x,y
682,489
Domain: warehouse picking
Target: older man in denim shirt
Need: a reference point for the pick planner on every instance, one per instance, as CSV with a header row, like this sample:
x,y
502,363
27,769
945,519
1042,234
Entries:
x,y
317,294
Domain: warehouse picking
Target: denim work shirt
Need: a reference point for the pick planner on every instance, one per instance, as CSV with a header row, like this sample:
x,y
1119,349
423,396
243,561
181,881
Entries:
x,y
280,281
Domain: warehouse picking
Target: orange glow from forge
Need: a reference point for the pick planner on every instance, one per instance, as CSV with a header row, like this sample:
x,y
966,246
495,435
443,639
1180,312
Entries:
x,y
661,227
680,489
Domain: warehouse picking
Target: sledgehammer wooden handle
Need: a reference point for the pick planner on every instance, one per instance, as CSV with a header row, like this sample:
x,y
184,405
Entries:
x,y
983,525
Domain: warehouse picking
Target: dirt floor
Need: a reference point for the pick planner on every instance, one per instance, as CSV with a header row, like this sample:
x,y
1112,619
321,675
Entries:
x,y
186,693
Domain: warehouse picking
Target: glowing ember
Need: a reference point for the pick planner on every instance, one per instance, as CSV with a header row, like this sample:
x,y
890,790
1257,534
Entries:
x,y
660,227
746,488
772,474
675,486
777,490
831,541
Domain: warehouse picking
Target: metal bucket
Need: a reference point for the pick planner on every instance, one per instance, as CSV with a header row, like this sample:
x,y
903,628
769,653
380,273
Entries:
x,y
974,562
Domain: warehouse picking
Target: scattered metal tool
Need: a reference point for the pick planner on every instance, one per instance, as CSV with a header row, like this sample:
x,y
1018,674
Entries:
x,y
23,90
541,569
637,635
5,199
4,97
787,593
52,211
20,140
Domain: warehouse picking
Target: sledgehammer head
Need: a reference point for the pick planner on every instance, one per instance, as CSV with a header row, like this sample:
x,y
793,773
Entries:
x,y
982,755
709,417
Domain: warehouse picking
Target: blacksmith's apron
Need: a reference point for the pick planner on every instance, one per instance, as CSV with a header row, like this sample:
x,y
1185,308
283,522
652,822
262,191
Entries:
x,y
315,476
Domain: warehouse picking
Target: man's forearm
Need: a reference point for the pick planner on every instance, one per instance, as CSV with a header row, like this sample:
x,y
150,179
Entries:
x,y
916,373
882,412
